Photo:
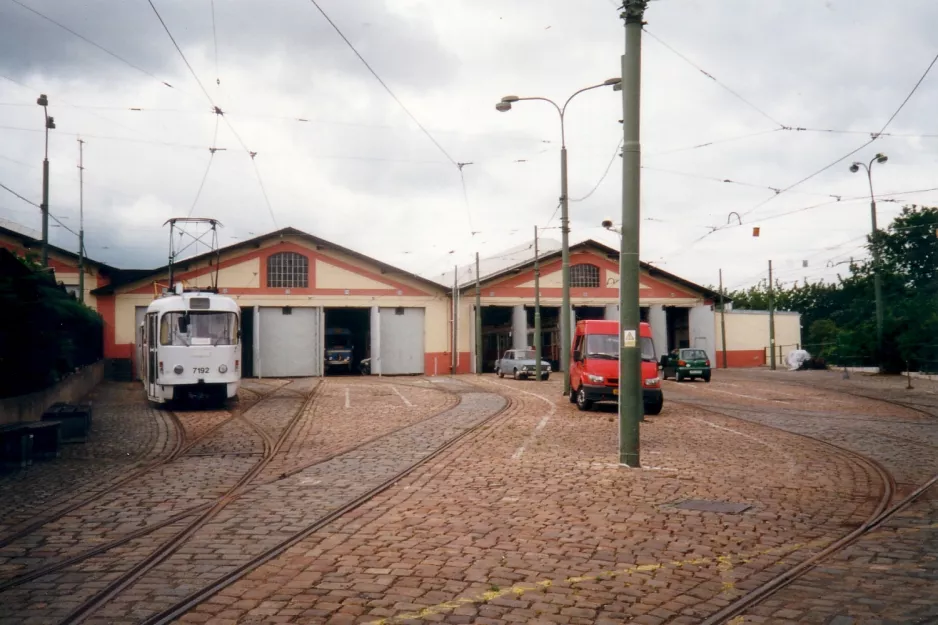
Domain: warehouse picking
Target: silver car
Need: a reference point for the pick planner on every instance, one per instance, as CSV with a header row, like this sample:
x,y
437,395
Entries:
x,y
521,363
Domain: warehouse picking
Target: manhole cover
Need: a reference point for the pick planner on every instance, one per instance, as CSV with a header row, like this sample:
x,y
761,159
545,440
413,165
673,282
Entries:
x,y
722,507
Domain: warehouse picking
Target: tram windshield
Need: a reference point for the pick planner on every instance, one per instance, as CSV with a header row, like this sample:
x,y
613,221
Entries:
x,y
199,328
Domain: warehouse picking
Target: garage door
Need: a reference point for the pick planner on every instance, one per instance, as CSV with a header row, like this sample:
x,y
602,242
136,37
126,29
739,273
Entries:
x,y
289,342
402,342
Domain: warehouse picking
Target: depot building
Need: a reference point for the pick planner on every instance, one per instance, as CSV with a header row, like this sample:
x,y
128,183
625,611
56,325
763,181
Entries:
x,y
294,288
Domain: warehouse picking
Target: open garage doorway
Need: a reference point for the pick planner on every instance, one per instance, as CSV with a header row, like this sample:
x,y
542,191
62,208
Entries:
x,y
247,342
496,335
678,327
348,339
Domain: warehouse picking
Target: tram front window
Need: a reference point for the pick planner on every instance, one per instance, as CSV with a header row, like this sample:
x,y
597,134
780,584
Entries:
x,y
199,328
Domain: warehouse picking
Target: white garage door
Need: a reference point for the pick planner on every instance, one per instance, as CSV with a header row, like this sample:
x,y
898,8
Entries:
x,y
402,343
289,342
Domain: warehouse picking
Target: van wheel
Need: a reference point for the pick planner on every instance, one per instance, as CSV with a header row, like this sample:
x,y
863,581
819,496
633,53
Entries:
x,y
581,402
572,396
653,409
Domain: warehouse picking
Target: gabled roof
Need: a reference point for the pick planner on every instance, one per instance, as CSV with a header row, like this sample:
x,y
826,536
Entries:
x,y
29,242
592,243
127,276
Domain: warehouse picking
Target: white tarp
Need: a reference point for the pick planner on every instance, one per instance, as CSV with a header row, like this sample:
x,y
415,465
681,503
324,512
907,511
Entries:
x,y
796,358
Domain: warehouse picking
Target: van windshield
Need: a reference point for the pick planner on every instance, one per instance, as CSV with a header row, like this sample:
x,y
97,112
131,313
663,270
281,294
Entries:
x,y
607,346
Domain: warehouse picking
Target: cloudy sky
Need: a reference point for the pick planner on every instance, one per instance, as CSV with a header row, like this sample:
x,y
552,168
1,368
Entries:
x,y
359,171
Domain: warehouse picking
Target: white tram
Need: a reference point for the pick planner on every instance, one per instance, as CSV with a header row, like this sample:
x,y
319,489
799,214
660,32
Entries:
x,y
190,346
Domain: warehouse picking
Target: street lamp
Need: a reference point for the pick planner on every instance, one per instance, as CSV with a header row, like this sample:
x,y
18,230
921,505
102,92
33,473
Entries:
x,y
504,106
43,101
877,280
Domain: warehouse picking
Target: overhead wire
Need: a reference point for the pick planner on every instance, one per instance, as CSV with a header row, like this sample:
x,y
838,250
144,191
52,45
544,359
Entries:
x,y
90,42
3,186
208,168
218,111
605,173
715,142
714,79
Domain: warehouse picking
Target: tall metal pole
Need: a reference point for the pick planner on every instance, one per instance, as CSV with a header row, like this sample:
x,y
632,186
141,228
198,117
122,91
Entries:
x,y
630,354
455,318
478,319
538,338
722,320
877,278
81,221
771,318
43,101
566,336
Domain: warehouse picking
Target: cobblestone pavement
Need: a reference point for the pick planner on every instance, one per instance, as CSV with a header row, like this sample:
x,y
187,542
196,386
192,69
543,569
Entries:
x,y
204,472
348,411
891,574
125,434
533,521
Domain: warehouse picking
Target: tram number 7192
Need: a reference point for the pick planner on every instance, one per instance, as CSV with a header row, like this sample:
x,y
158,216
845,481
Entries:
x,y
200,369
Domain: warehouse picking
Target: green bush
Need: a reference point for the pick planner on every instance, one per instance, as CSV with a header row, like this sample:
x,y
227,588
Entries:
x,y
46,333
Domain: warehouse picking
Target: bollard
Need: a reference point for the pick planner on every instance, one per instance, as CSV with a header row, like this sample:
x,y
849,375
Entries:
x,y
908,373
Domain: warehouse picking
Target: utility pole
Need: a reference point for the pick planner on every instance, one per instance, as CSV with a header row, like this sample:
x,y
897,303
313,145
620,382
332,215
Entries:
x,y
43,101
771,318
478,319
455,318
722,320
81,221
631,406
538,338
566,335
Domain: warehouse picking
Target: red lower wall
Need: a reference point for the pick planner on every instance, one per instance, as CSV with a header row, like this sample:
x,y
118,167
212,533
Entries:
x,y
741,358
440,363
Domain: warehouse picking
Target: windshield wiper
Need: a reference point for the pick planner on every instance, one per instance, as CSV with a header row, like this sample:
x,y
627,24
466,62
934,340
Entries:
x,y
603,356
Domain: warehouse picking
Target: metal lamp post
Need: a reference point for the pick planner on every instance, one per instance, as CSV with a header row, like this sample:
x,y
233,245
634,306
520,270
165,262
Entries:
x,y
43,101
565,332
877,280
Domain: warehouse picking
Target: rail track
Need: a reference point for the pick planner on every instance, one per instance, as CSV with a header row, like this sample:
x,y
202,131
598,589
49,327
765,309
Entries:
x,y
168,615
39,572
882,512
181,446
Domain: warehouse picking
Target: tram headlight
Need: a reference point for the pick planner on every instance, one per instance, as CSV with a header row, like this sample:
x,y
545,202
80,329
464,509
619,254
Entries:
x,y
222,368
178,369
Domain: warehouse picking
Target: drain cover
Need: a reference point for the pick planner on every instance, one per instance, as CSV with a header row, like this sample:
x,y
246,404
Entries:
x,y
723,507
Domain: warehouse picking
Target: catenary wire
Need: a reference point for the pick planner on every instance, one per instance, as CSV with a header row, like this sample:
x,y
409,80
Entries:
x,y
96,45
605,173
715,142
715,79
3,186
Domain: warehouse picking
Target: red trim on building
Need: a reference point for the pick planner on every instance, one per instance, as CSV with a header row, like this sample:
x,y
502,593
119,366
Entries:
x,y
106,308
741,358
286,246
511,287
441,363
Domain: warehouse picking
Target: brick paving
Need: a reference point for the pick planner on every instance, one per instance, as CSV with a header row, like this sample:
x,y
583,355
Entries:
x,y
891,574
532,521
125,434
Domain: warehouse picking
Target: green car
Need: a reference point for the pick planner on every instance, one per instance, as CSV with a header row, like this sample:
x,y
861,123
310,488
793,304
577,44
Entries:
x,y
686,364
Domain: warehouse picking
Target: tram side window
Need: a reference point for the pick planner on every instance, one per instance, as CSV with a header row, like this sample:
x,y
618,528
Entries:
x,y
199,328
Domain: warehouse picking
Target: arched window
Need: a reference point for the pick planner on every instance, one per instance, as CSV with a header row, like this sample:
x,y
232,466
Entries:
x,y
584,276
288,270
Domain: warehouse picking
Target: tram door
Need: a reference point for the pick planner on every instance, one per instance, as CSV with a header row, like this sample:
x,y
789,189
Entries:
x,y
152,356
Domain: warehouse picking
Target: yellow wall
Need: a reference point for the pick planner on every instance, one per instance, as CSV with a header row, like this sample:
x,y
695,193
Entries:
x,y
749,330
436,330
332,277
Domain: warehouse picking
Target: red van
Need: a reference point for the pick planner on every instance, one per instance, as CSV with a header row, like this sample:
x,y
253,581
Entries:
x,y
594,365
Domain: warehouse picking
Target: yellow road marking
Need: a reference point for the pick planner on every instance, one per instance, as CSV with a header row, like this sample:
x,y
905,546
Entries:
x,y
724,565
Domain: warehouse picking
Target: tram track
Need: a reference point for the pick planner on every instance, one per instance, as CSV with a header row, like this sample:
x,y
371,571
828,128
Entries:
x,y
270,445
885,507
171,613
180,447
37,573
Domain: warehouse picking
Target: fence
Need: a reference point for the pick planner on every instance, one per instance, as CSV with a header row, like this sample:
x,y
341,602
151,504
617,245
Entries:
x,y
46,333
781,353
